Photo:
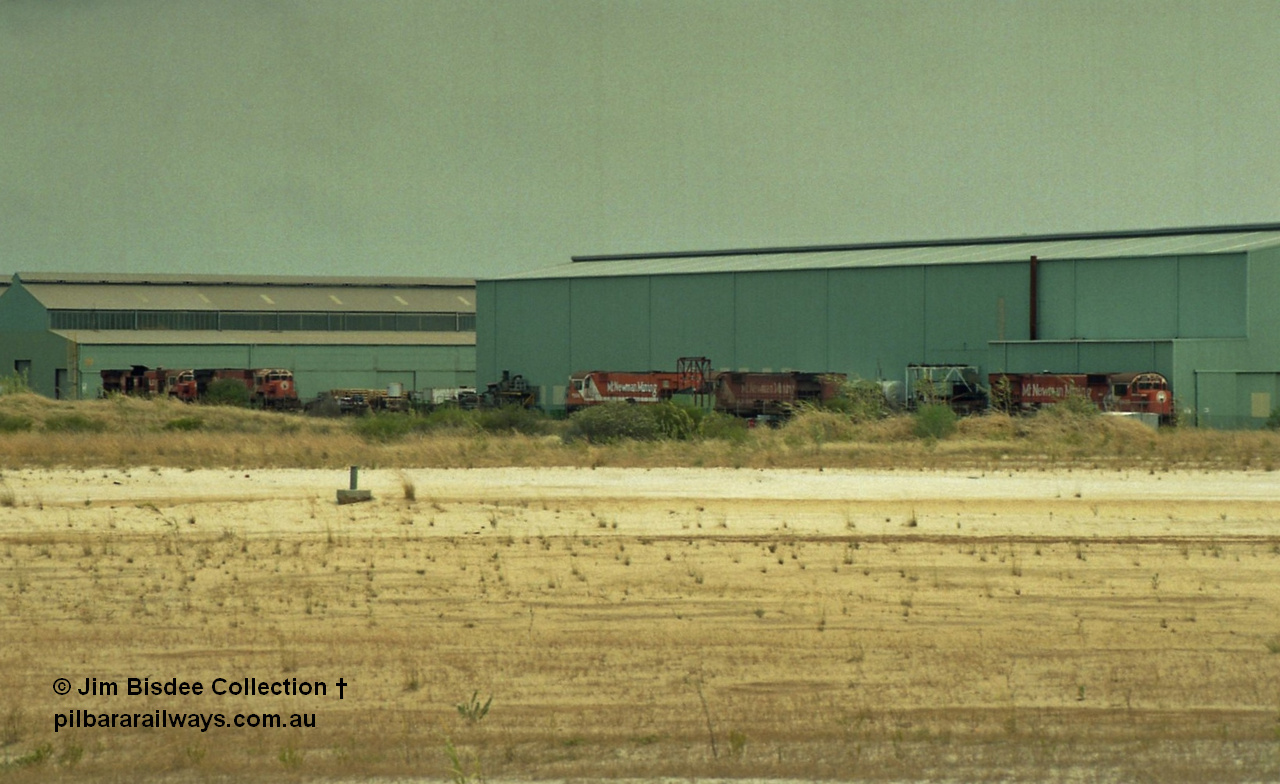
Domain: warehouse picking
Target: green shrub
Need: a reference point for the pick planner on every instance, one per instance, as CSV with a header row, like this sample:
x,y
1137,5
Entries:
x,y
934,421
450,418
862,400
611,422
723,427
674,421
13,423
511,419
14,384
227,392
387,427
73,423
184,423
1074,405
1273,421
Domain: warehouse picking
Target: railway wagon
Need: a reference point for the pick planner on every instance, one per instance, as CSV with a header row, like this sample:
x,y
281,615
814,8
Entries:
x,y
137,380
1144,392
744,394
772,394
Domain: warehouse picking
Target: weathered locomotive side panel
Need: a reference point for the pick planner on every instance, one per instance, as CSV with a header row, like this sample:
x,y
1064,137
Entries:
x,y
739,393
1124,392
772,394
593,387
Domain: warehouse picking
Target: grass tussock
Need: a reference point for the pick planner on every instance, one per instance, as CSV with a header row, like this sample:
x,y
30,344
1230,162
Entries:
x,y
37,431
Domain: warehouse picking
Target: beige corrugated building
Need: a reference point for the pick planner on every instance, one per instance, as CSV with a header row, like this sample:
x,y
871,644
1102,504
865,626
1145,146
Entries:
x,y
62,330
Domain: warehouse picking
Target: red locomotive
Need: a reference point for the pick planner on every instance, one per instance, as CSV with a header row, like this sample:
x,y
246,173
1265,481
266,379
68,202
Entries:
x,y
1133,392
739,393
593,387
267,387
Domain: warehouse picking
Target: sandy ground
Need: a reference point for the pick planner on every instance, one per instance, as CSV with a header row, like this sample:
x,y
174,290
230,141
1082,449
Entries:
x,y
642,623
1013,503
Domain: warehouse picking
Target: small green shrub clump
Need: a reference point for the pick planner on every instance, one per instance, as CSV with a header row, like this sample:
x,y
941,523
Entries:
x,y
387,427
934,421
1273,421
227,392
510,419
612,422
14,423
723,427
184,423
73,423
14,384
1073,406
673,421
861,400
449,418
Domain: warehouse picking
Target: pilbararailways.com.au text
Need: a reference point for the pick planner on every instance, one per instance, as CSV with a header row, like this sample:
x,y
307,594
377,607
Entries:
x,y
80,718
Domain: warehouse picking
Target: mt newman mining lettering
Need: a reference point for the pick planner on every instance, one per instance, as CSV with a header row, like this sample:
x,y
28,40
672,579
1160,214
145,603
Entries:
x,y
637,387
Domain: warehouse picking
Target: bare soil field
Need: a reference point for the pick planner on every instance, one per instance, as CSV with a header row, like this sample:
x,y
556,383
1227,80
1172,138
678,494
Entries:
x,y
807,624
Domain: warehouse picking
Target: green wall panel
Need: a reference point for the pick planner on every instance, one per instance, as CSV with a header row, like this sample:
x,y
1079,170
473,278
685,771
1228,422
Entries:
x,y
20,312
1065,356
780,320
1120,299
609,320
1124,357
486,332
1216,393
691,316
1264,308
1256,397
1236,399
1056,297
966,306
533,331
1157,298
876,328
46,353
24,337
1037,357
1212,296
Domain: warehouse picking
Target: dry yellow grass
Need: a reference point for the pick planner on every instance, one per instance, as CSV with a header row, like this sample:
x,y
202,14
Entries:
x,y
123,432
628,635
898,639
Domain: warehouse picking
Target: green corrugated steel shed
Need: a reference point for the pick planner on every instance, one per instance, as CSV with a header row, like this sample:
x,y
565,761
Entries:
x,y
50,328
1177,301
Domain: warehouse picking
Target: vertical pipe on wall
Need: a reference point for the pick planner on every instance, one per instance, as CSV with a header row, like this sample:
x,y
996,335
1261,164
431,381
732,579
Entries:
x,y
1034,295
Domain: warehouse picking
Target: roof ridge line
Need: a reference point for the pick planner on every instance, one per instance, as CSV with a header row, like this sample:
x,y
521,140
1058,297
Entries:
x,y
937,243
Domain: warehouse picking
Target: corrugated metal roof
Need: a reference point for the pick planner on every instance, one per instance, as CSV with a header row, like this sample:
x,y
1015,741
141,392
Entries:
x,y
239,280
208,293
906,254
144,337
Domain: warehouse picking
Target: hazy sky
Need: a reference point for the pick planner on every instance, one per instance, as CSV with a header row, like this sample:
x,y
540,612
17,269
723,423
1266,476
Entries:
x,y
414,137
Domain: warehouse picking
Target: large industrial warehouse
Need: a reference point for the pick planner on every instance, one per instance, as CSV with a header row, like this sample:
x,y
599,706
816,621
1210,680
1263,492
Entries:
x,y
61,330
1197,305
